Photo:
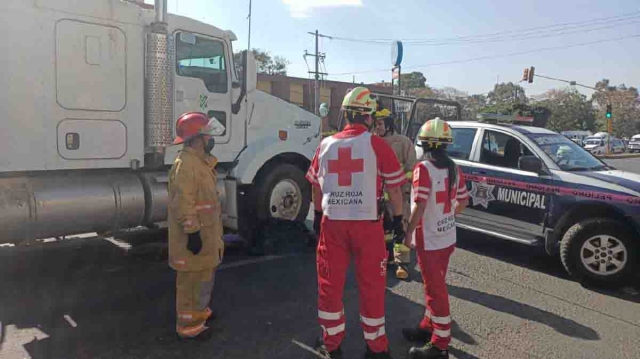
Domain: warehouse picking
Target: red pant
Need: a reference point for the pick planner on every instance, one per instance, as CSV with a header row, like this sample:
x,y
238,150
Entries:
x,y
339,241
437,316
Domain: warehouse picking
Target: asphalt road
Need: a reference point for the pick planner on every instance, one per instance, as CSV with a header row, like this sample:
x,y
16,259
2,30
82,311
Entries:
x,y
97,298
94,298
626,164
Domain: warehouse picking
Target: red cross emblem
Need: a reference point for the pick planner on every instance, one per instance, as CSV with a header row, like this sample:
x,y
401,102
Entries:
x,y
345,166
442,197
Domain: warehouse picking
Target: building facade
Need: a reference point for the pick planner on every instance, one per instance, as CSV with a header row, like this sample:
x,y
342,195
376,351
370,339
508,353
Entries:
x,y
299,91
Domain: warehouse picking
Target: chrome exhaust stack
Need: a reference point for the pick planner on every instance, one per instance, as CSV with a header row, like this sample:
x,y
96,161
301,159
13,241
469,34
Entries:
x,y
159,61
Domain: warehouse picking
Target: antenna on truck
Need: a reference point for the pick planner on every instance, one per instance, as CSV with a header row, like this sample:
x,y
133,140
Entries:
x,y
249,34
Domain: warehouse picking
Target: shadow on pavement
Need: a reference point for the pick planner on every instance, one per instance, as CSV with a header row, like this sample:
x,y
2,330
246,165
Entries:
x,y
90,300
535,259
560,324
460,354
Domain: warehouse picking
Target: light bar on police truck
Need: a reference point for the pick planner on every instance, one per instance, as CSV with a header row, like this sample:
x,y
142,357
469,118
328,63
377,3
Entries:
x,y
510,119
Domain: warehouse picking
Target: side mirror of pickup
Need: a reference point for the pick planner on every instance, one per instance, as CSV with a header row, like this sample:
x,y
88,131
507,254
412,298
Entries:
x,y
530,164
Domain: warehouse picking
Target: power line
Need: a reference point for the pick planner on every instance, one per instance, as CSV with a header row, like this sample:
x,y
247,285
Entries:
x,y
529,37
496,56
540,36
524,32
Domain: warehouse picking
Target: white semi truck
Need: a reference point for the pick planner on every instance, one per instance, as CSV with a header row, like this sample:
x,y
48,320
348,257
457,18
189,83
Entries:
x,y
90,91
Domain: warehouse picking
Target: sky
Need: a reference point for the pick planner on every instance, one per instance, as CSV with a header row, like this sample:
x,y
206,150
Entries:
x,y
281,27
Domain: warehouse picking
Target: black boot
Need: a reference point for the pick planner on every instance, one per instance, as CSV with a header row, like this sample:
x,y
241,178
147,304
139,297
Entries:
x,y
371,355
416,334
428,352
322,350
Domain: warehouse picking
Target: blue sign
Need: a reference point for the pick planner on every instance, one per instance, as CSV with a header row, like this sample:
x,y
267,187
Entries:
x,y
396,53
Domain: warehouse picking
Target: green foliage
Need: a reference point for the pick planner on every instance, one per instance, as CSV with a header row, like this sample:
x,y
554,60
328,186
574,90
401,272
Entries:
x,y
570,110
413,80
276,65
504,94
625,107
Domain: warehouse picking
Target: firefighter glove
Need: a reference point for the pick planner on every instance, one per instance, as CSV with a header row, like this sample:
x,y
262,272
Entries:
x,y
398,229
195,242
317,219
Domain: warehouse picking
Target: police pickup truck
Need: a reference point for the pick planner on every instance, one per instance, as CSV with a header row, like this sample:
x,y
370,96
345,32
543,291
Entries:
x,y
538,188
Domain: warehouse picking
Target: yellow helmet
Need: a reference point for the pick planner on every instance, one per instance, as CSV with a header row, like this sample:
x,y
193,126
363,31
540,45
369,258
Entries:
x,y
435,132
382,114
360,100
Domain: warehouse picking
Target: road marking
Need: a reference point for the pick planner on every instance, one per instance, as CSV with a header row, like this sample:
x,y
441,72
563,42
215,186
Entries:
x,y
118,243
70,320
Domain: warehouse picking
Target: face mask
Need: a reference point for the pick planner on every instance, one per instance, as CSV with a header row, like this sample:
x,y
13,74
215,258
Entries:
x,y
209,145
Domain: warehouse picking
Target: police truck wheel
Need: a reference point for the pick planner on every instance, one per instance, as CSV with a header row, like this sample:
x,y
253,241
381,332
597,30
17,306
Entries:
x,y
599,251
284,193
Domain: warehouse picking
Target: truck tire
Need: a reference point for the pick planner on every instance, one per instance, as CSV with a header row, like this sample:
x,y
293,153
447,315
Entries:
x,y
584,244
283,193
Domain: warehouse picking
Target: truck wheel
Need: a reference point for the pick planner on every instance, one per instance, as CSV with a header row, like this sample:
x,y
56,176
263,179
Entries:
x,y
599,251
284,193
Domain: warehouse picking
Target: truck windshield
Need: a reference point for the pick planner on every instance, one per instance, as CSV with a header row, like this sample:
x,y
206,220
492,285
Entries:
x,y
566,154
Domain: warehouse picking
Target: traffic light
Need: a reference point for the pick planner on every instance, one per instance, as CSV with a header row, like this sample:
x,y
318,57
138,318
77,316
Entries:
x,y
525,76
609,114
531,72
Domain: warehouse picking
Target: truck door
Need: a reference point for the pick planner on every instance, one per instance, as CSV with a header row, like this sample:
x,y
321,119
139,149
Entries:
x,y
500,200
203,78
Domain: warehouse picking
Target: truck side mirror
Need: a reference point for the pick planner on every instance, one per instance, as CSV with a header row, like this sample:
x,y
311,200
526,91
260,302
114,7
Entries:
x,y
250,72
530,163
249,80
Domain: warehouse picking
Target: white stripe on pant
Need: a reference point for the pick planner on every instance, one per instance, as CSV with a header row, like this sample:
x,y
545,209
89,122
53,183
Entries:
x,y
438,320
372,322
442,333
334,330
330,315
375,335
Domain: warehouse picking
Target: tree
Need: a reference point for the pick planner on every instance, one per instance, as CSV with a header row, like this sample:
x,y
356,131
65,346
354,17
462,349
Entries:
x,y
503,97
471,105
625,106
570,110
276,65
413,80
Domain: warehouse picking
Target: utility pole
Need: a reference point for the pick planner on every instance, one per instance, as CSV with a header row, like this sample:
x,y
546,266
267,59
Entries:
x,y
318,56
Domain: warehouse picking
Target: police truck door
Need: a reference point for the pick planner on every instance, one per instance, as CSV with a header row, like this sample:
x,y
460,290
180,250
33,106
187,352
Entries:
x,y
498,188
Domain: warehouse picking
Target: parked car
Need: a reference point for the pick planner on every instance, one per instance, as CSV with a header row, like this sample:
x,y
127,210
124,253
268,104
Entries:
x,y
598,145
576,136
634,144
536,187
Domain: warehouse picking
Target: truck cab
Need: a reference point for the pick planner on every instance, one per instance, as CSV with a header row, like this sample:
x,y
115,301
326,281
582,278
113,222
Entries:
x,y
92,92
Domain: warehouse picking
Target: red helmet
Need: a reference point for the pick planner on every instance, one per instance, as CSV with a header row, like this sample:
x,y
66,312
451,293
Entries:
x,y
192,124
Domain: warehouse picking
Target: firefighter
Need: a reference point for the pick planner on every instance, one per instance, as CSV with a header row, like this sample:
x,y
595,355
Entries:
x,y
439,194
406,154
347,174
195,227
